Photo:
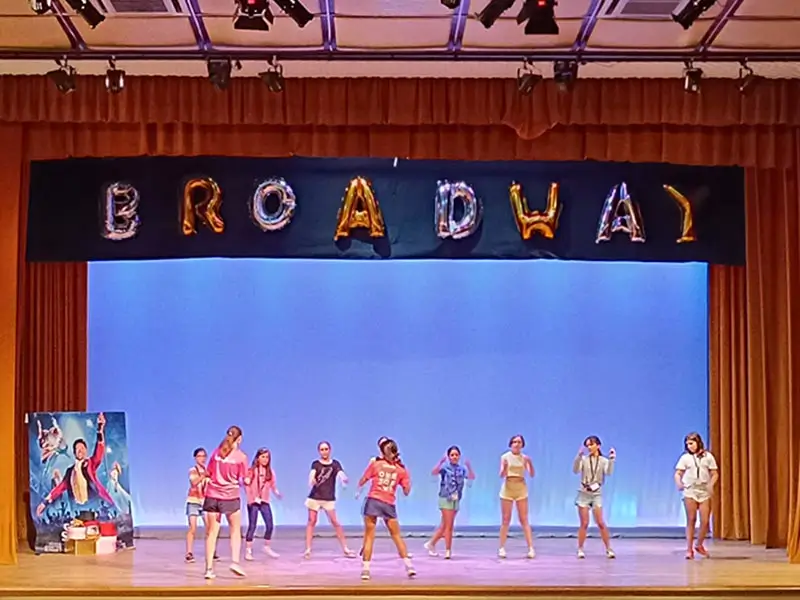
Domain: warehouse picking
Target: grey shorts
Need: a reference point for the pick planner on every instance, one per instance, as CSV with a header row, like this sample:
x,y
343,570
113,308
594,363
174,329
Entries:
x,y
379,510
587,499
224,507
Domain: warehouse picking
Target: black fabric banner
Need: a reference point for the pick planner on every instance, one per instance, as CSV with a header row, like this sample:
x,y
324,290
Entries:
x,y
71,218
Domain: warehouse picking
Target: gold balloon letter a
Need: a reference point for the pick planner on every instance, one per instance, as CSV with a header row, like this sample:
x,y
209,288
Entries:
x,y
359,209
530,222
202,199
687,216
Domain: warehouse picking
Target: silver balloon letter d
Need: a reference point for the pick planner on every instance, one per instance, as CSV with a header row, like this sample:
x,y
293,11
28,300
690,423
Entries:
x,y
447,195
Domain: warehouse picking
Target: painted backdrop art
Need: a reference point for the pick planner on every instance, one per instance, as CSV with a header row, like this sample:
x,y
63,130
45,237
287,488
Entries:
x,y
78,470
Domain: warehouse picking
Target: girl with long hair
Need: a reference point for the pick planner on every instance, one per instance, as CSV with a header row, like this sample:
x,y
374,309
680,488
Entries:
x,y
514,466
452,477
259,484
227,470
325,472
385,475
696,474
593,468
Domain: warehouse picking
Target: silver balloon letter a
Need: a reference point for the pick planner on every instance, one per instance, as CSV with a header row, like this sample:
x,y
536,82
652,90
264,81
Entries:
x,y
120,212
447,226
620,213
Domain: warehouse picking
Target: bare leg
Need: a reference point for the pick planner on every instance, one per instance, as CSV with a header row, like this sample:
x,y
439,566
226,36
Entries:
x,y
449,523
235,526
310,525
705,517
583,527
691,518
337,527
369,538
522,513
597,512
212,533
190,534
394,530
438,534
505,511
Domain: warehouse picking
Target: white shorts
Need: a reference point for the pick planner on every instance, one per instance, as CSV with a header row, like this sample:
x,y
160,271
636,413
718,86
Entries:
x,y
318,505
699,494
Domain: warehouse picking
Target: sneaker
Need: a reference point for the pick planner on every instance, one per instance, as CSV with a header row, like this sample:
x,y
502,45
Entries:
x,y
236,569
411,571
501,553
531,553
270,552
690,554
701,550
216,556
447,554
307,553
349,553
210,574
430,548
189,558
248,554
610,553
581,553
364,574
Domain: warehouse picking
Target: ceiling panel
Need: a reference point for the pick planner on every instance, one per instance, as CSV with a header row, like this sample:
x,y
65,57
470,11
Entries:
x,y
630,34
398,33
505,33
759,35
284,33
15,8
769,8
172,31
392,8
40,32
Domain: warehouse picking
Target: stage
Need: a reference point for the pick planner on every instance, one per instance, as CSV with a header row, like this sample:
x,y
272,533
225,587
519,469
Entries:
x,y
643,567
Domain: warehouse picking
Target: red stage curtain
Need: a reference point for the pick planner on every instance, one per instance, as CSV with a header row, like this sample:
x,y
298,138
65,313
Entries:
x,y
754,402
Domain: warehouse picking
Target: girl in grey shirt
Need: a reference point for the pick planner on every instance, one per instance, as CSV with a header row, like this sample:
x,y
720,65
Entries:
x,y
593,468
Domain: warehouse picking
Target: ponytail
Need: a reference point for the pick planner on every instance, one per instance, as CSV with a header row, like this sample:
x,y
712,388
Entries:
x,y
227,444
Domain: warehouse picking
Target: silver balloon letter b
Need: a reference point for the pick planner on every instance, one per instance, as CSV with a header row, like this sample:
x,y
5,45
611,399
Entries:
x,y
620,213
287,204
446,224
120,212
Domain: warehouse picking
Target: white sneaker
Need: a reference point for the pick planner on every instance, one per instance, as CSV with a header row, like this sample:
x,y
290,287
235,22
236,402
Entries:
x,y
248,554
581,553
236,569
501,553
531,553
307,553
411,571
210,574
349,553
364,574
430,548
270,552
610,553
447,554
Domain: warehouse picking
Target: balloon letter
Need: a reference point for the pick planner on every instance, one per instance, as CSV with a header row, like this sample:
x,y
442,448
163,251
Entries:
x,y
530,222
446,224
620,214
202,199
120,209
359,209
687,216
287,203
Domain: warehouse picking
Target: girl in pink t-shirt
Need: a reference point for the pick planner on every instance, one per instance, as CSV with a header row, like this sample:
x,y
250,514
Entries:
x,y
260,484
385,475
227,469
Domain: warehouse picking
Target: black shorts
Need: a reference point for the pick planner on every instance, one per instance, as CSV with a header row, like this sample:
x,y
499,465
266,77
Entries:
x,y
224,507
379,509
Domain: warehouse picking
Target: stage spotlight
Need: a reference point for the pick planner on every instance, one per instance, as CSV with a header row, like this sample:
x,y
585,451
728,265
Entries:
x,y
115,78
63,77
219,72
41,7
540,17
253,15
565,72
527,78
296,11
451,3
273,77
87,10
692,77
691,11
747,79
492,11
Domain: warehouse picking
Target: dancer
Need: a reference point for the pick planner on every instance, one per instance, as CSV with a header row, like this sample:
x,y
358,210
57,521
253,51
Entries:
x,y
451,488
593,469
696,475
198,479
325,471
227,470
514,465
385,475
259,483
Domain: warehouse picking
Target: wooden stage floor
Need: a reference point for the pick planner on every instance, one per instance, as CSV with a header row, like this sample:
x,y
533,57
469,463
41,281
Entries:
x,y
644,567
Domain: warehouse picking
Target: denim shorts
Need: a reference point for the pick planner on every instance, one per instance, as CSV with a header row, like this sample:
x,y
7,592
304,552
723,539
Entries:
x,y
379,509
194,510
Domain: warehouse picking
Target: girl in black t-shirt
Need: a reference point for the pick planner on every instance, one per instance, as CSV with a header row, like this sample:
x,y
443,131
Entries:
x,y
325,471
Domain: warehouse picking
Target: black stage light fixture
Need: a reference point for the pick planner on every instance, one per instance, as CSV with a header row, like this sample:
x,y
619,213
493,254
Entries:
x,y
451,3
692,77
253,15
527,78
747,79
296,11
88,11
691,11
63,77
41,7
492,11
273,77
219,72
540,16
115,78
565,72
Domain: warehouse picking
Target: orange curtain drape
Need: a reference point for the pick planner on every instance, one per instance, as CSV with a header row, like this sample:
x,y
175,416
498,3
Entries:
x,y
754,403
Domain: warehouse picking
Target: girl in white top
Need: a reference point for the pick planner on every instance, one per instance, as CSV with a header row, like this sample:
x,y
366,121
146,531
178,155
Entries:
x,y
593,468
696,475
514,465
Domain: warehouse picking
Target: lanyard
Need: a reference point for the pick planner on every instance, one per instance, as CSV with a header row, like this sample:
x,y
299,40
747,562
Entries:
x,y
696,466
593,468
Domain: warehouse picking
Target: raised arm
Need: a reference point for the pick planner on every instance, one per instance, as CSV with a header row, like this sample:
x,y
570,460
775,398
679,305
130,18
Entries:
x,y
100,445
576,464
470,472
612,459
438,468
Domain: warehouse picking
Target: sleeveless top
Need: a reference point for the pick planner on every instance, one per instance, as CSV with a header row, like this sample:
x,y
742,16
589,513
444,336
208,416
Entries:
x,y
516,464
